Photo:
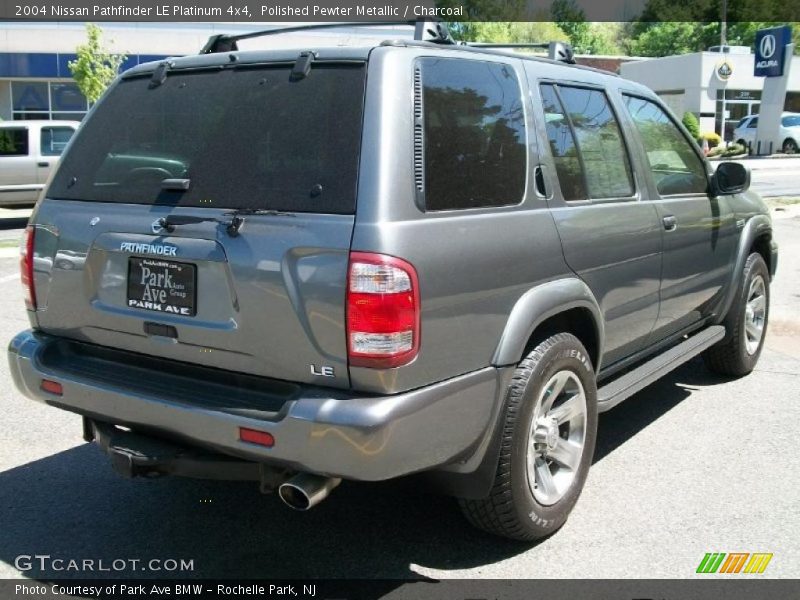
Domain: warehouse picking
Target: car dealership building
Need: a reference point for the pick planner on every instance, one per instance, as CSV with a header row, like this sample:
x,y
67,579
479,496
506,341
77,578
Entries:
x,y
719,88
35,81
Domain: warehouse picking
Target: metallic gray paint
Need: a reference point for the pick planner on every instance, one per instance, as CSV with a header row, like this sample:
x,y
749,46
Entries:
x,y
488,278
283,278
332,433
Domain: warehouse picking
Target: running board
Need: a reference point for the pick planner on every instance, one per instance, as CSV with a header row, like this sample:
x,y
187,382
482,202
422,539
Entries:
x,y
626,386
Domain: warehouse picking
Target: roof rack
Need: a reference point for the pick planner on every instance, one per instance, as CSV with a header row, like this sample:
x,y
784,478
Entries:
x,y
425,31
559,51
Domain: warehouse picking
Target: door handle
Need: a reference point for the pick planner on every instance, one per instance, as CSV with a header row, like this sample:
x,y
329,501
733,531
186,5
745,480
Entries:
x,y
43,163
541,182
670,223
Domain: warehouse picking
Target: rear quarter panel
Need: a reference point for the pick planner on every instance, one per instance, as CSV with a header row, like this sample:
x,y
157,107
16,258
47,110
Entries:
x,y
473,265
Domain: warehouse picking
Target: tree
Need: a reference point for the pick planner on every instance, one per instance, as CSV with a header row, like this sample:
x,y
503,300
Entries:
x,y
505,32
586,38
95,67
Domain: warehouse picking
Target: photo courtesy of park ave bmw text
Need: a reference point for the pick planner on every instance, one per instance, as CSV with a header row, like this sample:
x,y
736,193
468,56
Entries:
x,y
400,299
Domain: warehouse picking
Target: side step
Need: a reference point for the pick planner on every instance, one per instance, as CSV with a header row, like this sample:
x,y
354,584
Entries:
x,y
626,386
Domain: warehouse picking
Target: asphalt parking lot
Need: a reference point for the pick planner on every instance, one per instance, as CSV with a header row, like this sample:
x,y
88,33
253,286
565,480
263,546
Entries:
x,y
693,464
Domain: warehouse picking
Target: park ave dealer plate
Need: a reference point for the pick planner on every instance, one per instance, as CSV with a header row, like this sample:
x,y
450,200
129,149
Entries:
x,y
162,285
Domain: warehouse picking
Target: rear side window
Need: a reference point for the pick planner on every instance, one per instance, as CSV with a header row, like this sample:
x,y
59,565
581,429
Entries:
x,y
673,161
14,142
474,134
586,143
753,123
244,137
791,121
54,140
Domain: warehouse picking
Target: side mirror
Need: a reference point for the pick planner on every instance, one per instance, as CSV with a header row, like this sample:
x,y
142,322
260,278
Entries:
x,y
731,178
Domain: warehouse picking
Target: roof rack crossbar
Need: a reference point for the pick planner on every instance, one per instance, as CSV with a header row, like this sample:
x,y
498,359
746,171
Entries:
x,y
432,31
559,51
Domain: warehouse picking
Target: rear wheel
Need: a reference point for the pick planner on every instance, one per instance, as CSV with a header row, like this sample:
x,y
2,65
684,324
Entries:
x,y
745,323
547,445
789,146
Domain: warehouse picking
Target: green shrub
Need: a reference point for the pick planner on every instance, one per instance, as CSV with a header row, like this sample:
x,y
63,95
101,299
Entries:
x,y
734,150
712,138
692,124
716,151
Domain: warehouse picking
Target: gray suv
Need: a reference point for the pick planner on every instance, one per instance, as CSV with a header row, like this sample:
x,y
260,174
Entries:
x,y
366,263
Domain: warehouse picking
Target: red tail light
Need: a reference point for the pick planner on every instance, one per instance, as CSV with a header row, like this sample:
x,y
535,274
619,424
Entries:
x,y
26,267
383,311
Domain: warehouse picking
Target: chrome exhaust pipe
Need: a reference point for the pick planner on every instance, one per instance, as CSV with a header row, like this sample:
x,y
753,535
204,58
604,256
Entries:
x,y
304,491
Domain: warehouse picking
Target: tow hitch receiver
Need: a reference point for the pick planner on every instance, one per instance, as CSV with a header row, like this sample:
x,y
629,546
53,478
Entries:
x,y
134,454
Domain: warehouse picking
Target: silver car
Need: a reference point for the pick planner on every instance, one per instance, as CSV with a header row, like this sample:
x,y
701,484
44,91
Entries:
x,y
28,152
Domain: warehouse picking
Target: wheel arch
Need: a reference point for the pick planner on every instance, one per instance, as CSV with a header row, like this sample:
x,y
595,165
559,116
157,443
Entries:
x,y
755,237
564,305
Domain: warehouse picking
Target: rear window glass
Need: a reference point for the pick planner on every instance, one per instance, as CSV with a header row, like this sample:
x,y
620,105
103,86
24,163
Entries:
x,y
474,134
245,138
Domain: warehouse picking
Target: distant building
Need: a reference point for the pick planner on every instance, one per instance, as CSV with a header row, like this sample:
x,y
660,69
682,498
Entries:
x,y
718,87
35,81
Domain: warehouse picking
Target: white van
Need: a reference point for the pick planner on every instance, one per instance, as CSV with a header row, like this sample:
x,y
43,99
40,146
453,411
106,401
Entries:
x,y
28,152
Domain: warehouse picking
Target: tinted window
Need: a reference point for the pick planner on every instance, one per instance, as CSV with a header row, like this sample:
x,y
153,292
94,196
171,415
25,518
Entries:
x,y
563,147
753,122
14,142
246,138
792,121
586,143
608,172
474,144
675,165
54,140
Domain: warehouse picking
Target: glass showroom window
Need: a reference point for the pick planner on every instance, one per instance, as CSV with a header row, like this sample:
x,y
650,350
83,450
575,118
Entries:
x,y
47,100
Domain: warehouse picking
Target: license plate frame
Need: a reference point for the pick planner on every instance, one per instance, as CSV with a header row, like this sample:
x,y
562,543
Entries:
x,y
168,286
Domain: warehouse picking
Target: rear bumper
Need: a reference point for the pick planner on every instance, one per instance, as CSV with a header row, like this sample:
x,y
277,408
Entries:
x,y
357,437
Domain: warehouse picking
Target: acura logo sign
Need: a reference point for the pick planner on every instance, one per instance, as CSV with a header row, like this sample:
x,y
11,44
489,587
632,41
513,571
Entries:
x,y
767,47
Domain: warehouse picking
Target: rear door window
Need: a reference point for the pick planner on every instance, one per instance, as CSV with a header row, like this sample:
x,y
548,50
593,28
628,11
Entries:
x,y
586,142
14,141
243,137
54,140
474,140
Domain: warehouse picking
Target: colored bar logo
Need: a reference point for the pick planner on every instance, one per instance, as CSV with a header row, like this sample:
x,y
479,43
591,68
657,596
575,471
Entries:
x,y
734,562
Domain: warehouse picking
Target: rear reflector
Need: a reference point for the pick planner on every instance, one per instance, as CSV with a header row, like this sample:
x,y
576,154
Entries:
x,y
52,387
26,267
253,436
383,311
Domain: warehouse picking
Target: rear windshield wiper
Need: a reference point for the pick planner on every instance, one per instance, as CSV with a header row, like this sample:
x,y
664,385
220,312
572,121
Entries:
x,y
232,226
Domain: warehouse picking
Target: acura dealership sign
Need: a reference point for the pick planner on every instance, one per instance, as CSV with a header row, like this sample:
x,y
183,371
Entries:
x,y
770,46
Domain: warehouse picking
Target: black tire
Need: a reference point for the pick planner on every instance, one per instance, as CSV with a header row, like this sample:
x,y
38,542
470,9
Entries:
x,y
789,146
731,355
512,510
